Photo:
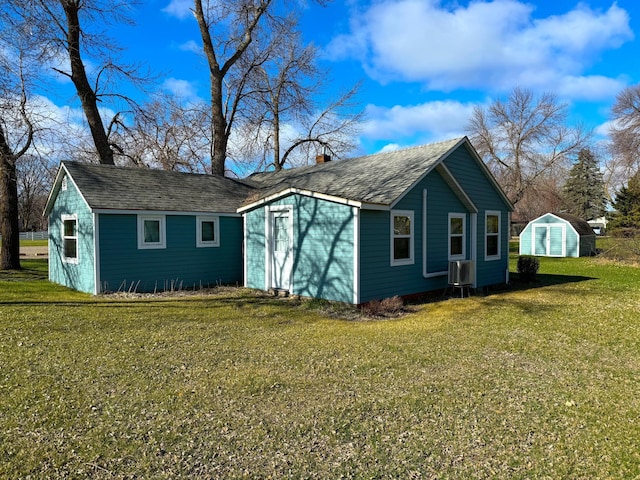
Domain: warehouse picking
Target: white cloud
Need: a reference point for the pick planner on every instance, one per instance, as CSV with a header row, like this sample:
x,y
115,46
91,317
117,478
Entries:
x,y
390,147
190,46
429,121
179,8
183,89
489,45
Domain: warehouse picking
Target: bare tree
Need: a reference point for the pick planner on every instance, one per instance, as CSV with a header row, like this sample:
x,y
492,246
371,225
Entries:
x,y
331,130
286,88
70,28
227,29
524,138
16,137
35,178
625,137
169,135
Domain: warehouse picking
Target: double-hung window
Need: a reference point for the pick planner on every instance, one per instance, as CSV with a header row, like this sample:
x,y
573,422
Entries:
x,y
70,238
402,237
457,236
207,232
152,231
492,236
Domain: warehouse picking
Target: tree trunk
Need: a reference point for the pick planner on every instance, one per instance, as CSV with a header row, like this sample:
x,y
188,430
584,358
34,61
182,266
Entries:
x,y
83,88
9,229
220,137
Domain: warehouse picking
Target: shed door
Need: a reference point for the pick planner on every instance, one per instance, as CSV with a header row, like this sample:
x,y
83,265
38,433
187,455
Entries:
x,y
548,240
281,249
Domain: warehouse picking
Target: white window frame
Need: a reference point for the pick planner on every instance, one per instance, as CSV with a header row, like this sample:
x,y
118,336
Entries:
x,y
393,236
492,213
216,231
463,255
142,245
65,259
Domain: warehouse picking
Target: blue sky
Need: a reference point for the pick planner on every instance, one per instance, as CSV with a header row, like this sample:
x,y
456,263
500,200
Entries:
x,y
425,64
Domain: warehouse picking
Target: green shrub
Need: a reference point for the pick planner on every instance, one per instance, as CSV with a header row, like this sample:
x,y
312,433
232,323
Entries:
x,y
528,268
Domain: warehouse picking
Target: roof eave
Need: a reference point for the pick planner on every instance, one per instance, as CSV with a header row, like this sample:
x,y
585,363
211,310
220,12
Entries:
x,y
298,191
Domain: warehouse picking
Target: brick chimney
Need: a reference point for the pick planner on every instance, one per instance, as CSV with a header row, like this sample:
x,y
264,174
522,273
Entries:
x,y
323,158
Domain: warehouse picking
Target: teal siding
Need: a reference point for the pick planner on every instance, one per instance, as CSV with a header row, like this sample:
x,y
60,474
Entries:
x,y
255,245
180,265
480,189
555,248
378,279
525,243
78,276
323,248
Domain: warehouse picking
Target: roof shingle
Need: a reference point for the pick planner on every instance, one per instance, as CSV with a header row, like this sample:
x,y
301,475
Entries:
x,y
117,188
374,179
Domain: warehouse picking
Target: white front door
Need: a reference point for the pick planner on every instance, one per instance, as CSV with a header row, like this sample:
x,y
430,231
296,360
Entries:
x,y
281,249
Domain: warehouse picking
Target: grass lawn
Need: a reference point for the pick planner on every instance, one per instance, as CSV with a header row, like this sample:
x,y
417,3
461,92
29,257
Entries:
x,y
31,243
538,382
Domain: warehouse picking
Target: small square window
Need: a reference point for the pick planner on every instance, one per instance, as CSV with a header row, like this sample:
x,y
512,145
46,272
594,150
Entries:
x,y
207,232
151,231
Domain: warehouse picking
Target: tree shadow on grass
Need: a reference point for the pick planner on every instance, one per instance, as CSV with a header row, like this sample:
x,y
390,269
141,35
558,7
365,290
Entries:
x,y
544,280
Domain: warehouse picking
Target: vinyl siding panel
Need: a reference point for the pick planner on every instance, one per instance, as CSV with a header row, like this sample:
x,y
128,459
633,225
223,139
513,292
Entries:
x,y
179,265
378,278
480,189
255,244
78,276
322,248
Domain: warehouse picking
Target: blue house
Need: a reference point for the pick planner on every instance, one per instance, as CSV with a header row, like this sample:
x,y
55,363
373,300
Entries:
x,y
353,231
132,229
377,226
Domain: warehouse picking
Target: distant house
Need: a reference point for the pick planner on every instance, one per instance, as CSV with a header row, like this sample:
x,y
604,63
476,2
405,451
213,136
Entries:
x,y
353,231
558,235
598,225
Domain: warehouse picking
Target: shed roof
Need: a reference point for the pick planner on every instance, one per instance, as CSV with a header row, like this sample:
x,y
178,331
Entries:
x,y
107,187
581,226
374,179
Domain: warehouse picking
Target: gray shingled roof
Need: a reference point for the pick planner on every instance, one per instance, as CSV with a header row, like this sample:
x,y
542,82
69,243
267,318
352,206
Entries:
x,y
379,179
374,179
581,226
118,188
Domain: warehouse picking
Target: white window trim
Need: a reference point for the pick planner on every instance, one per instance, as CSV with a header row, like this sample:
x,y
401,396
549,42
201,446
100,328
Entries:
x,y
498,214
142,245
73,260
216,231
411,259
463,255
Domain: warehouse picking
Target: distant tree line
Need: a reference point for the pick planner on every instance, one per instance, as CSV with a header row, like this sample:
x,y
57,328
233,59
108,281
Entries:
x,y
545,164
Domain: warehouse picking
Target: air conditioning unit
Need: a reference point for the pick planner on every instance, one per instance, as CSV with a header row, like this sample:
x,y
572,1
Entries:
x,y
461,272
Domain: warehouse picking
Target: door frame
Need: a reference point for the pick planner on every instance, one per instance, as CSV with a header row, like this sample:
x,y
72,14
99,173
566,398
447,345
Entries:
x,y
269,244
548,227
